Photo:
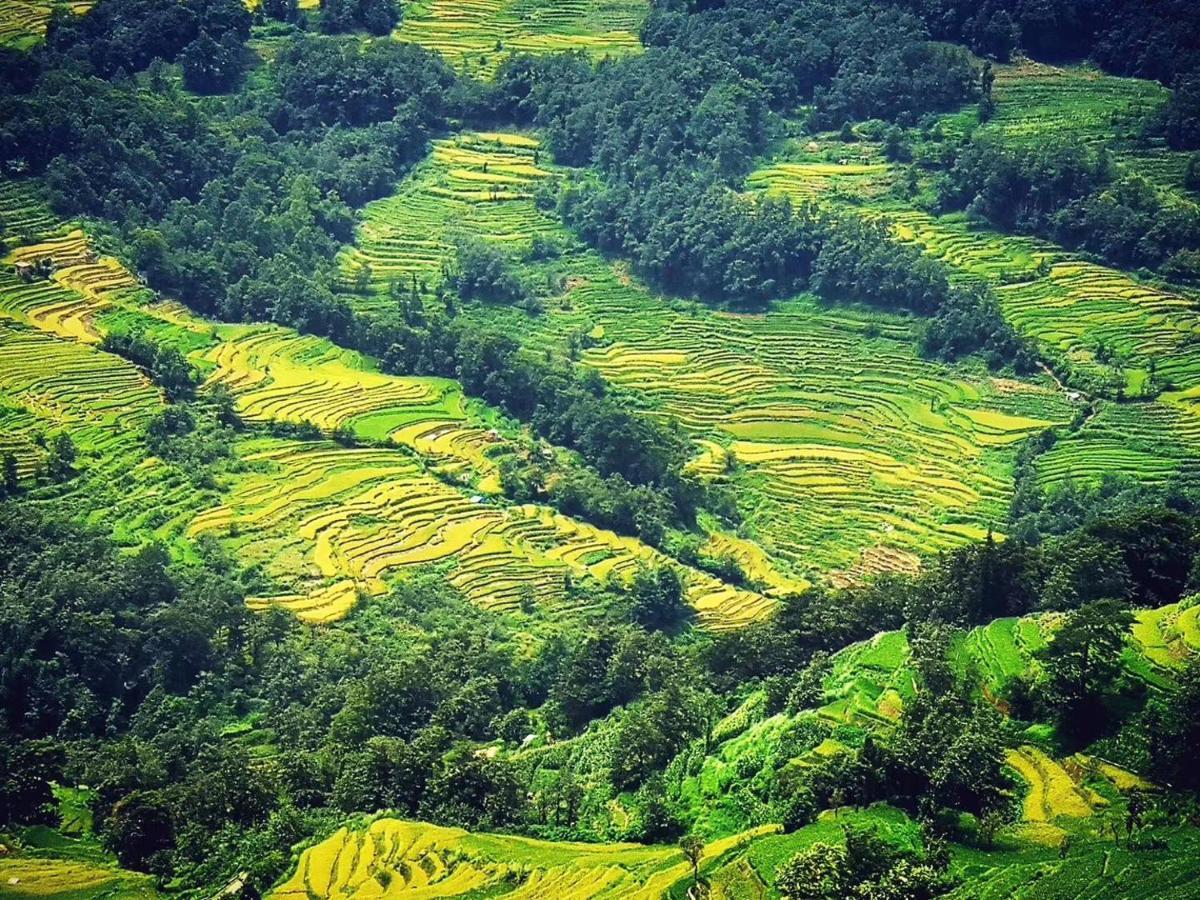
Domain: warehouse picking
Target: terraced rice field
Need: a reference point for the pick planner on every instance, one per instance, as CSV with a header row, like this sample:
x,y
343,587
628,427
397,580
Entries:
x,y
1096,871
476,183
866,688
97,398
25,216
1151,442
1068,305
858,453
346,519
396,858
1170,635
854,452
1002,650
1078,103
23,22
870,681
70,880
475,36
329,521
1052,792
277,375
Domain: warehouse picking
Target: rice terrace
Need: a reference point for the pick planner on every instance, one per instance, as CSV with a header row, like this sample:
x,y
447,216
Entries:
x,y
600,449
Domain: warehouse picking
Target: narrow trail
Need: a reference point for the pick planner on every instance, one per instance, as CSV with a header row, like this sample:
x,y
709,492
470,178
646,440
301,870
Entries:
x,y
1092,408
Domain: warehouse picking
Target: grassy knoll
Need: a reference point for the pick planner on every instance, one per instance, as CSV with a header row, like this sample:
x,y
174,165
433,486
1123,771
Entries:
x,y
394,857
852,454
476,35
326,521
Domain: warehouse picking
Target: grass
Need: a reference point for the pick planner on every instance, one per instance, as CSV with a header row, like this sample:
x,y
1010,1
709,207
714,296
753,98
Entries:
x,y
475,36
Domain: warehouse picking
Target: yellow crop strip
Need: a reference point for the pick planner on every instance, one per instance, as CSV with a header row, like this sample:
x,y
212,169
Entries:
x,y
477,35
391,857
1052,792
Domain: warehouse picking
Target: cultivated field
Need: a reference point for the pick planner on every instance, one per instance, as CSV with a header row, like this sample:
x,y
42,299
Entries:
x,y
476,35
475,183
391,857
64,879
866,689
1069,305
23,22
852,454
1078,103
327,521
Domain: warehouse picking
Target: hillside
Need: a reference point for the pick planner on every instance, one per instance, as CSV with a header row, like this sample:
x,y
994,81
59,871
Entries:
x,y
599,448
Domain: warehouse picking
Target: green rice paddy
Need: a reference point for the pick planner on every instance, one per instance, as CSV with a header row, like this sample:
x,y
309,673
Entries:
x,y
852,454
476,35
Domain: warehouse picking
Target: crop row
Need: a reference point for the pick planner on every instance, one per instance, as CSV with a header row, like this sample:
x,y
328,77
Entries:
x,y
476,35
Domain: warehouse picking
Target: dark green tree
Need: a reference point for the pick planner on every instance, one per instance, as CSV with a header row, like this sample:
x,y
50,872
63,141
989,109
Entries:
x,y
11,483
656,599
1083,670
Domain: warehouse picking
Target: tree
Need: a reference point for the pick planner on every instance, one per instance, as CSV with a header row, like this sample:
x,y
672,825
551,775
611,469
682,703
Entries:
x,y
1083,667
283,10
692,846
140,827
11,475
1191,177
211,66
362,278
656,820
61,461
1181,117
482,272
1172,725
656,598
815,873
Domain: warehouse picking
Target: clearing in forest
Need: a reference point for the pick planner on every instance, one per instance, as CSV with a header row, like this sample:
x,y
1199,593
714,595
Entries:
x,y
23,22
